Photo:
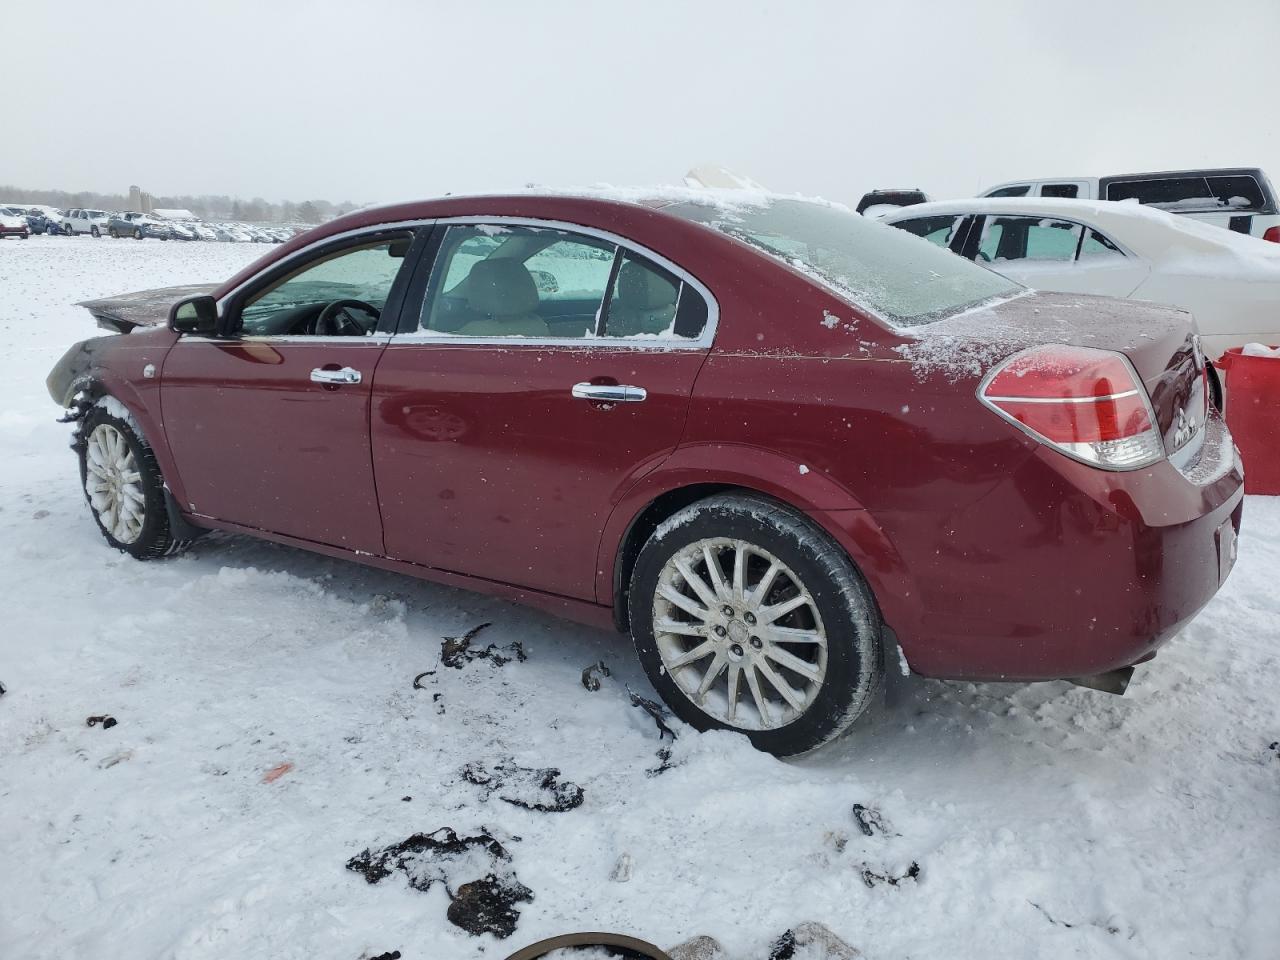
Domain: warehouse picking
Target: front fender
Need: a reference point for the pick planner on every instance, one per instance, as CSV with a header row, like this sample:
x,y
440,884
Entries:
x,y
115,366
828,503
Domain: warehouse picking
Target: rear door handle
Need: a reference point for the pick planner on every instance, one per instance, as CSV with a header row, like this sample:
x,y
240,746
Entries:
x,y
345,375
609,392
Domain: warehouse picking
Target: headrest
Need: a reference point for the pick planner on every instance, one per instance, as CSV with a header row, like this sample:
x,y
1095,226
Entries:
x,y
642,289
501,288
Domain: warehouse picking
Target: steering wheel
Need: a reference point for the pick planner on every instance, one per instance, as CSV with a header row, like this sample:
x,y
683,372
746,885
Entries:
x,y
335,321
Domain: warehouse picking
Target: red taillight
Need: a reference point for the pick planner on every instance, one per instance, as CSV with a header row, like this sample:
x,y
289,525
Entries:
x,y
1272,234
1084,402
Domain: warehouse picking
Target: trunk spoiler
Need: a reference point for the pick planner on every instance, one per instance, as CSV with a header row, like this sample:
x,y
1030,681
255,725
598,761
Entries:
x,y
145,308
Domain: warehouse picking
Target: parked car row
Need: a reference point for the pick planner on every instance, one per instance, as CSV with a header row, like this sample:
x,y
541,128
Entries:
x,y
1194,239
81,221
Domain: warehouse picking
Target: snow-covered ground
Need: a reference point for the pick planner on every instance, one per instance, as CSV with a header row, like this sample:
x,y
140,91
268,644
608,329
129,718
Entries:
x,y
269,730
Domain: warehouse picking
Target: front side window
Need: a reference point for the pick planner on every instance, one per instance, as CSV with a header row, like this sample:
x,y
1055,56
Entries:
x,y
498,280
1020,190
872,264
937,230
1028,238
341,293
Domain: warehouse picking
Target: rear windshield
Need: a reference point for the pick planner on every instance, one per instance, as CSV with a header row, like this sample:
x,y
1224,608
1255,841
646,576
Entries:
x,y
900,277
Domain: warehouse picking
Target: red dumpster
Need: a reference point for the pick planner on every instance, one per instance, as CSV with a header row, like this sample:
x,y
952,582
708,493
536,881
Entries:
x,y
1253,414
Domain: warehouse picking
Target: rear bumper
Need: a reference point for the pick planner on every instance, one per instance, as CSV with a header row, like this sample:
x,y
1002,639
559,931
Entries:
x,y
1066,571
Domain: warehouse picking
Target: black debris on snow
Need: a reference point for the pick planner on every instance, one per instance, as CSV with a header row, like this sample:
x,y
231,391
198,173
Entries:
x,y
656,712
591,675
871,878
534,789
475,872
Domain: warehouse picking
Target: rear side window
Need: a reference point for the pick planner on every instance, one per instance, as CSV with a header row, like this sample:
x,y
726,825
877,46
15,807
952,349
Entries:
x,y
1192,194
937,230
497,280
1028,238
1097,247
1068,191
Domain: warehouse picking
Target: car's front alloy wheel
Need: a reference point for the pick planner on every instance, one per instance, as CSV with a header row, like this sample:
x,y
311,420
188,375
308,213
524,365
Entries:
x,y
123,485
747,617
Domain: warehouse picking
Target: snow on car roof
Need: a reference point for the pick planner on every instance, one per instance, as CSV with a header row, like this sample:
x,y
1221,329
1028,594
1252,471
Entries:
x,y
1149,232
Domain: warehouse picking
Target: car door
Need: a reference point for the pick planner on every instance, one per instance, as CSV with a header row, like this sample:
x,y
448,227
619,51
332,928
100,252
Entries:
x,y
269,426
547,369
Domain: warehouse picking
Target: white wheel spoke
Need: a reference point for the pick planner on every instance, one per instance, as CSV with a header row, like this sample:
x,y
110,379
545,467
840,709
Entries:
x,y
715,573
679,627
133,494
795,699
740,570
697,584
770,614
687,604
753,682
735,678
761,589
793,635
704,649
131,476
793,663
713,672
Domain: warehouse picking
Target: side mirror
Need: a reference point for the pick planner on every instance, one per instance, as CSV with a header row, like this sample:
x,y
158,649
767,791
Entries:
x,y
198,315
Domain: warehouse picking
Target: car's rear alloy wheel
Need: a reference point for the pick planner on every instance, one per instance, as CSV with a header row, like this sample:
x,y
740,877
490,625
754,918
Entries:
x,y
747,617
123,485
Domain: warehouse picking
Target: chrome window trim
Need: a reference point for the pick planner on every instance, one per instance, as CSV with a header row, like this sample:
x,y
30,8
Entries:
x,y
663,344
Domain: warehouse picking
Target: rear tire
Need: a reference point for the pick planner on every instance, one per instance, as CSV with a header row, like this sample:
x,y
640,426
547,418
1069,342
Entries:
x,y
792,642
124,487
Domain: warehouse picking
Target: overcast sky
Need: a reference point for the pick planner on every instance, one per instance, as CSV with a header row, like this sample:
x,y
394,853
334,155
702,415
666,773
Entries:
x,y
371,101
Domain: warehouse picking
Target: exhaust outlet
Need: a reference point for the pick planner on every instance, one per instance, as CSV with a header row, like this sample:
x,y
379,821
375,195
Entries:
x,y
1113,681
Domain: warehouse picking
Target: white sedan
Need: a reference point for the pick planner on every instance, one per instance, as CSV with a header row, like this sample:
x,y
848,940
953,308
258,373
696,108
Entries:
x,y
1230,282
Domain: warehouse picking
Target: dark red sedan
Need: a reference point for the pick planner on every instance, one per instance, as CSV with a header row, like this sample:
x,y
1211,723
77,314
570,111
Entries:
x,y
771,439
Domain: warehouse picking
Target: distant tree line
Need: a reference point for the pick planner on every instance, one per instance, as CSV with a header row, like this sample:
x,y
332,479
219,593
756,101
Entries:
x,y
207,207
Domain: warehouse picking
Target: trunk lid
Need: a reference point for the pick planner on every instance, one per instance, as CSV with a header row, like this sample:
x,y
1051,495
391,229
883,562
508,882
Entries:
x,y
1159,341
143,308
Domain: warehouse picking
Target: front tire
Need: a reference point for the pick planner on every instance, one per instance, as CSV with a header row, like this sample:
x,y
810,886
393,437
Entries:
x,y
95,232
747,617
115,234
124,487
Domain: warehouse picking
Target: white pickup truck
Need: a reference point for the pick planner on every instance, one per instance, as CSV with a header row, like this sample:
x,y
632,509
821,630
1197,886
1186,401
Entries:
x,y
1237,198
79,220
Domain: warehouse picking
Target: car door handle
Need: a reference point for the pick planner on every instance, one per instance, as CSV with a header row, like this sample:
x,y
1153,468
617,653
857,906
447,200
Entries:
x,y
609,392
345,375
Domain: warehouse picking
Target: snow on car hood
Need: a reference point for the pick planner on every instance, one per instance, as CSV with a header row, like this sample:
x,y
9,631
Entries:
x,y
143,308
